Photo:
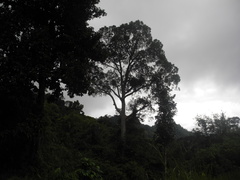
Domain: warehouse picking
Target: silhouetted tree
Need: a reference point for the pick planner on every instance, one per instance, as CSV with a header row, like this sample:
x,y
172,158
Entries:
x,y
43,44
164,124
135,65
164,120
46,43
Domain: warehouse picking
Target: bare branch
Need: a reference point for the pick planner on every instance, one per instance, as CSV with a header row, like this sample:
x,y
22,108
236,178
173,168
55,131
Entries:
x,y
114,103
119,68
116,94
107,65
132,90
118,91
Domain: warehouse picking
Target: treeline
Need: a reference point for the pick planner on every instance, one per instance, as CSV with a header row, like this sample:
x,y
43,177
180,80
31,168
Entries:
x,y
210,152
74,146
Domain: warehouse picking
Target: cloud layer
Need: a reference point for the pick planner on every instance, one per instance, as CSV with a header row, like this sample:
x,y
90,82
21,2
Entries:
x,y
201,38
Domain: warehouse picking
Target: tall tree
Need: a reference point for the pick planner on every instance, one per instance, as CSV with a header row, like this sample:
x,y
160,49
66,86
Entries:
x,y
43,44
135,65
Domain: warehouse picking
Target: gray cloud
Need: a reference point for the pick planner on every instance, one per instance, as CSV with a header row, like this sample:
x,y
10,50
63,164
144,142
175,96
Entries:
x,y
200,37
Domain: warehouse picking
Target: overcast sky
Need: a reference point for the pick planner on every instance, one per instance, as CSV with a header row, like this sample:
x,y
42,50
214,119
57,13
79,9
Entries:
x,y
201,37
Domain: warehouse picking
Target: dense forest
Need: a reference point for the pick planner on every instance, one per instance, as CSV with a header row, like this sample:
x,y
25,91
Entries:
x,y
47,48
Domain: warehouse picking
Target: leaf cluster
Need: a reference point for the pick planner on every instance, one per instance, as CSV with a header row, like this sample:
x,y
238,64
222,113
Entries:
x,y
48,43
136,66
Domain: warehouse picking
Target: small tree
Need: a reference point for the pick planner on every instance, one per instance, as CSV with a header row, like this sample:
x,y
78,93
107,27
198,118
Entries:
x,y
164,120
164,133
135,68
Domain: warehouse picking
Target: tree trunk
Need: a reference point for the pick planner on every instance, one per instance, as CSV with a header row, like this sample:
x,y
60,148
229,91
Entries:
x,y
38,115
41,95
165,163
123,121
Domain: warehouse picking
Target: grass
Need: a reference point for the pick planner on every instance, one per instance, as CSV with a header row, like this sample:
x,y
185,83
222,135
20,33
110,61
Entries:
x,y
183,175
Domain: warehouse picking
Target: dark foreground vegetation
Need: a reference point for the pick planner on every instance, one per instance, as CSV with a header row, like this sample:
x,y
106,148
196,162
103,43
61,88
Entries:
x,y
74,146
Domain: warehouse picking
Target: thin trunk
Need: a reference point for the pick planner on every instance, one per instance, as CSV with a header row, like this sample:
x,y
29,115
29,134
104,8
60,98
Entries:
x,y
123,128
165,163
39,113
123,121
41,95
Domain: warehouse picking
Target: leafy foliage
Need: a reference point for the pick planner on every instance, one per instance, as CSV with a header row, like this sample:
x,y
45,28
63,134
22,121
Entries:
x,y
48,42
206,156
75,146
165,131
43,45
218,124
135,68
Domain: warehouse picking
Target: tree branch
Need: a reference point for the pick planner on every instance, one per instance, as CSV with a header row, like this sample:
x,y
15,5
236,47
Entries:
x,y
129,93
116,94
107,65
114,103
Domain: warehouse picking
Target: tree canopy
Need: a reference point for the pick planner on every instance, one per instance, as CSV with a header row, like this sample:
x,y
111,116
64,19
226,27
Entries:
x,y
44,45
136,67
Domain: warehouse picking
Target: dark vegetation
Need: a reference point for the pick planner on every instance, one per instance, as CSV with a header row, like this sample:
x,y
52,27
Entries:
x,y
75,146
47,47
